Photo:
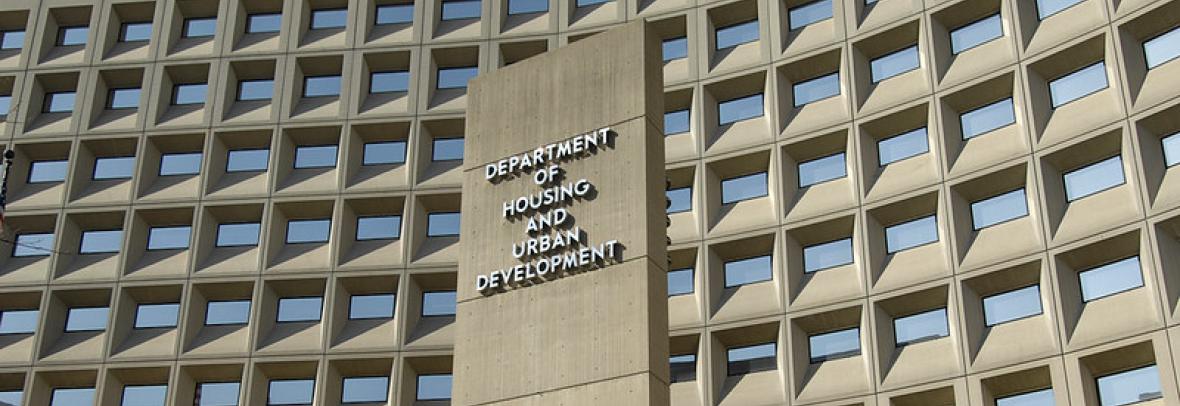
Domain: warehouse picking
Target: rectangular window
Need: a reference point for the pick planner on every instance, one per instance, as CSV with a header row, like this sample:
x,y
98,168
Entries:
x,y
315,156
585,3
238,234
1046,8
527,6
910,234
218,393
746,271
321,86
988,118
293,309
1163,48
185,163
48,171
199,27
920,327
376,306
1041,397
736,34
256,89
816,89
750,359
742,108
12,40
72,397
433,387
18,321
365,389
394,14
86,319
384,153
263,23
1171,145
114,168
976,33
378,228
442,224
101,241
743,188
247,160
11,397
1113,278
5,106
810,13
59,102
460,9
169,238
1093,178
683,368
893,64
998,209
75,35
156,315
1079,84
447,149
438,303
455,78
827,255
833,345
680,282
308,231
821,170
675,48
185,94
679,199
329,18
1134,386
133,32
902,146
290,392
1012,305
122,99
676,122
227,312
33,245
389,82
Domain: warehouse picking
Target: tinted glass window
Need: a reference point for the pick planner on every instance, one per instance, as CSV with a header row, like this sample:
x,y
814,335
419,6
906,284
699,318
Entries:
x,y
389,82
902,146
169,238
264,22
114,167
135,32
322,156
1116,277
987,118
816,89
5,105
386,152
527,6
680,199
188,163
1134,386
395,14
434,387
738,109
59,102
455,78
334,18
896,63
911,234
247,160
123,98
683,368
368,389
305,231
447,149
680,282
321,86
810,13
48,171
237,234
821,170
189,94
67,36
299,309
1171,149
920,327
827,255
676,122
442,224
584,3
1047,8
12,40
199,27
86,319
290,391
223,312
379,306
11,397
743,188
1162,48
737,34
746,271
101,241
754,358
836,344
218,394
72,397
999,209
675,48
144,395
1038,398
974,34
1012,305
33,245
378,227
460,9
1093,178
156,315
1078,84
259,89
18,321
440,303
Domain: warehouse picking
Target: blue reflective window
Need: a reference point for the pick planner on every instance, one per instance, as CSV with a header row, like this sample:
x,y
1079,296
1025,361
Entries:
x,y
1093,178
810,13
988,118
893,64
1012,305
11,397
299,309
131,32
237,234
434,387
584,3
256,89
676,122
743,188
321,86
12,40
1171,145
827,255
389,82
169,238
737,34
192,93
247,160
835,344
317,156
460,9
746,271
227,312
1042,397
290,391
998,209
976,33
156,315
438,303
378,306
455,78
910,234
527,6
101,241
218,393
816,89
683,368
394,14
365,389
1113,278
821,170
378,227
199,27
18,322
5,106
902,146
186,163
263,22
1078,84
441,224
920,327
447,149
675,48
1046,8
48,171
329,18
1163,48
123,98
1134,386
59,102
72,397
86,319
308,231
738,109
750,359
385,152
114,168
76,35
680,199
680,282
33,245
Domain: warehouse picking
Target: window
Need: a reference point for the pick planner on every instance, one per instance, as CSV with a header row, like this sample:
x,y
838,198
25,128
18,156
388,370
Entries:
x,y
679,199
920,327
11,397
113,168
263,23
676,122
816,89
1012,305
378,227
1046,8
18,321
199,27
227,312
144,395
317,156
1163,48
460,9
988,118
976,33
434,387
86,319
683,368
746,271
743,188
72,396
384,152
675,48
331,18
902,146
48,171
736,34
810,13
156,315
739,109
1113,278
33,245
299,309
132,32
5,105
75,35
527,6
455,78
447,149
1040,397
218,393
192,93
389,82
308,231
821,170
376,306
833,345
586,3
169,238
257,89
121,99
1093,178
394,14
1134,386
12,40
237,234
290,391
321,86
438,303
366,389
1078,84
998,209
750,359
247,160
183,163
827,255
680,282
101,241
910,234
1171,150
59,102
442,224
893,64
